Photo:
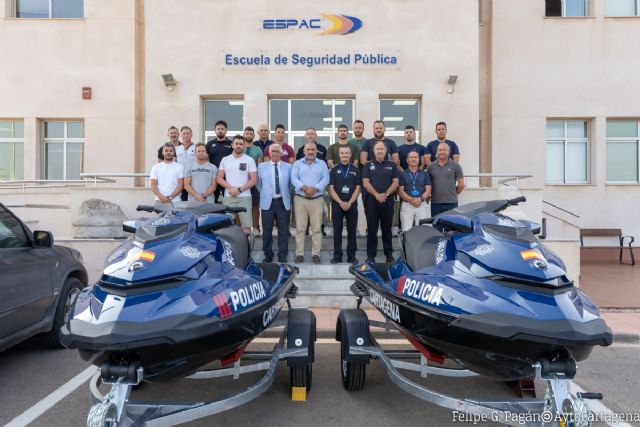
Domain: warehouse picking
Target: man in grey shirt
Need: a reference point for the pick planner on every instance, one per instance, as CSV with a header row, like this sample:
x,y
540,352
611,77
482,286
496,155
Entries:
x,y
447,181
200,177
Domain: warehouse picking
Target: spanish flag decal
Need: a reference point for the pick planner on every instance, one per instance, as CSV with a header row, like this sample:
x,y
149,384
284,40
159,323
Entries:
x,y
147,256
531,254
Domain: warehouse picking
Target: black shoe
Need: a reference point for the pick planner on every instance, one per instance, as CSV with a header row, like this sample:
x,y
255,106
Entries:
x,y
282,259
371,260
268,258
299,259
352,260
324,233
316,259
336,260
389,259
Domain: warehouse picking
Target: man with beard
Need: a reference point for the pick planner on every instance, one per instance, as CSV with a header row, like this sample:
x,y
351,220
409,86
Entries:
x,y
218,148
333,153
185,154
311,136
237,174
358,131
309,178
287,154
200,177
380,179
174,139
431,152
410,145
167,177
447,180
366,151
253,151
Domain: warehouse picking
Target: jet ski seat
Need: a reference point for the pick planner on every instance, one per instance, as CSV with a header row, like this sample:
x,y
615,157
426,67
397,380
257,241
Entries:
x,y
419,246
239,242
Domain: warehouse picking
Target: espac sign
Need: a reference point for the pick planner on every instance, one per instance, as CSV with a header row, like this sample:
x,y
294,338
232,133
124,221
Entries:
x,y
339,24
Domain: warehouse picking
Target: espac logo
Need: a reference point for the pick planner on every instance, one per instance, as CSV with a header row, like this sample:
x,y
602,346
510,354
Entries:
x,y
340,24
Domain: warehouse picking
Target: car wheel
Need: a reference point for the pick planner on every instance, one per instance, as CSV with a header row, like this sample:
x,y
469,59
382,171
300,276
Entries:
x,y
70,291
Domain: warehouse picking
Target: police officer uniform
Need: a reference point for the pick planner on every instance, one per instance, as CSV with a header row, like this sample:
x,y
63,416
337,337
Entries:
x,y
345,180
381,176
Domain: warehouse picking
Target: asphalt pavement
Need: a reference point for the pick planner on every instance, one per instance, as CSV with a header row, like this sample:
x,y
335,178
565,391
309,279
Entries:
x,y
29,373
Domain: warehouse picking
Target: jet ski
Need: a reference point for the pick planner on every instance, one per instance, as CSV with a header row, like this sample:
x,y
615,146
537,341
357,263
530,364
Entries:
x,y
181,292
481,289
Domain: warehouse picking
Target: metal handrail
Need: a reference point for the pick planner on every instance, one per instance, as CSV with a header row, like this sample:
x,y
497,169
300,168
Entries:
x,y
562,209
105,177
508,176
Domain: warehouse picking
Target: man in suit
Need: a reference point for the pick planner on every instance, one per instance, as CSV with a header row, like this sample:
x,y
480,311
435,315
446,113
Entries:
x,y
274,177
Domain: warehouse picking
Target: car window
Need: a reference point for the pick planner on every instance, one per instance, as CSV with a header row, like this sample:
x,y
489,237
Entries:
x,y
11,233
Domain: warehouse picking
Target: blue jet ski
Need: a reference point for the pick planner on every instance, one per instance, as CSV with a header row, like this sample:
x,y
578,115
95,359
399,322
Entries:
x,y
183,291
487,293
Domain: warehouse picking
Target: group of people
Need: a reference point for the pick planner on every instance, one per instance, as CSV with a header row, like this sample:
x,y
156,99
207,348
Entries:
x,y
271,180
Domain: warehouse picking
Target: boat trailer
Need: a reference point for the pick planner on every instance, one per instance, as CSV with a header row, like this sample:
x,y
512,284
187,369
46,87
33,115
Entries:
x,y
559,407
296,345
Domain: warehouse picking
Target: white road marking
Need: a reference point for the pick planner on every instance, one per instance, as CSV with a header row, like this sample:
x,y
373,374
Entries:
x,y
54,397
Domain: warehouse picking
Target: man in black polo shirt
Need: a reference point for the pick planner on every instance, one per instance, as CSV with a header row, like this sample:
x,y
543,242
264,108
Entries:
x,y
431,152
263,135
218,148
366,150
344,188
380,179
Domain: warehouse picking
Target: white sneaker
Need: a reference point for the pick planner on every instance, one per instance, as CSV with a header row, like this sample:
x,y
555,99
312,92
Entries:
x,y
256,232
395,231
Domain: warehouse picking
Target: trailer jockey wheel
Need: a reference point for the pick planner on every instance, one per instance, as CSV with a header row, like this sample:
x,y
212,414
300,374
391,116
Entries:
x,y
102,414
575,412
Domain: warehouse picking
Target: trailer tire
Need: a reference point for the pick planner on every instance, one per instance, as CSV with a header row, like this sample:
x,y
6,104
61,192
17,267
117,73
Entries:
x,y
352,373
301,376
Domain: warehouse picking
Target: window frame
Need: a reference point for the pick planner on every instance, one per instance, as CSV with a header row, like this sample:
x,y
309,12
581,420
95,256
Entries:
x,y
400,132
50,10
290,135
565,140
563,10
65,140
230,132
635,140
637,2
13,141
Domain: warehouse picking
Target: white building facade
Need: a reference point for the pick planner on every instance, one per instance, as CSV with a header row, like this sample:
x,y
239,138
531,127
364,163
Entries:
x,y
529,87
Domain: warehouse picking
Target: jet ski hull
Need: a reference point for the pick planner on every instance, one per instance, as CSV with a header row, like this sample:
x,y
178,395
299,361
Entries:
x,y
501,345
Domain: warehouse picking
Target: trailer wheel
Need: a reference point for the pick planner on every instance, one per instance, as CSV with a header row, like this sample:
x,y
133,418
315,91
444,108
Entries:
x,y
301,376
353,374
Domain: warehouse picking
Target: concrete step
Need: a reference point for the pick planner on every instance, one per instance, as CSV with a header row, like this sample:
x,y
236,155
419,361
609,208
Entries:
x,y
327,243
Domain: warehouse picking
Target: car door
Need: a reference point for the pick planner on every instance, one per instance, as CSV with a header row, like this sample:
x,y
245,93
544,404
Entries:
x,y
25,276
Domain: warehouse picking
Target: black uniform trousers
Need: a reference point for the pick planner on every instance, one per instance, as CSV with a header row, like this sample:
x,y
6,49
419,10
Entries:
x,y
382,214
280,215
337,216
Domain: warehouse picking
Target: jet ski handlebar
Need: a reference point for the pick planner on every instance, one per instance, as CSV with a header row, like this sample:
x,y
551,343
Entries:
x,y
219,208
148,208
515,201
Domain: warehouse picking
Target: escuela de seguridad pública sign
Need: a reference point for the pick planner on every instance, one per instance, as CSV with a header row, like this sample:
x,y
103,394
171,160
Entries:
x,y
348,60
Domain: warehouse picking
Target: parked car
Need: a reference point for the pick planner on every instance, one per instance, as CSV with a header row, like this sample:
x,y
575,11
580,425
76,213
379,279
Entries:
x,y
39,283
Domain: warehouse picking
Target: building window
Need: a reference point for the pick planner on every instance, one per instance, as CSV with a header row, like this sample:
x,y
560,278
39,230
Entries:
x,y
622,7
623,137
297,115
49,8
398,113
567,152
63,149
566,7
231,111
11,150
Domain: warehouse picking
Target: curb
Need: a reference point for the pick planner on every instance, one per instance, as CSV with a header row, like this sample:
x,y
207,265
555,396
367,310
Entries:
x,y
626,338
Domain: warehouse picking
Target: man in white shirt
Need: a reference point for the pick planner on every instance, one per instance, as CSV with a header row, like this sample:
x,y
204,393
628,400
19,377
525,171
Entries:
x,y
200,177
167,177
237,174
185,153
